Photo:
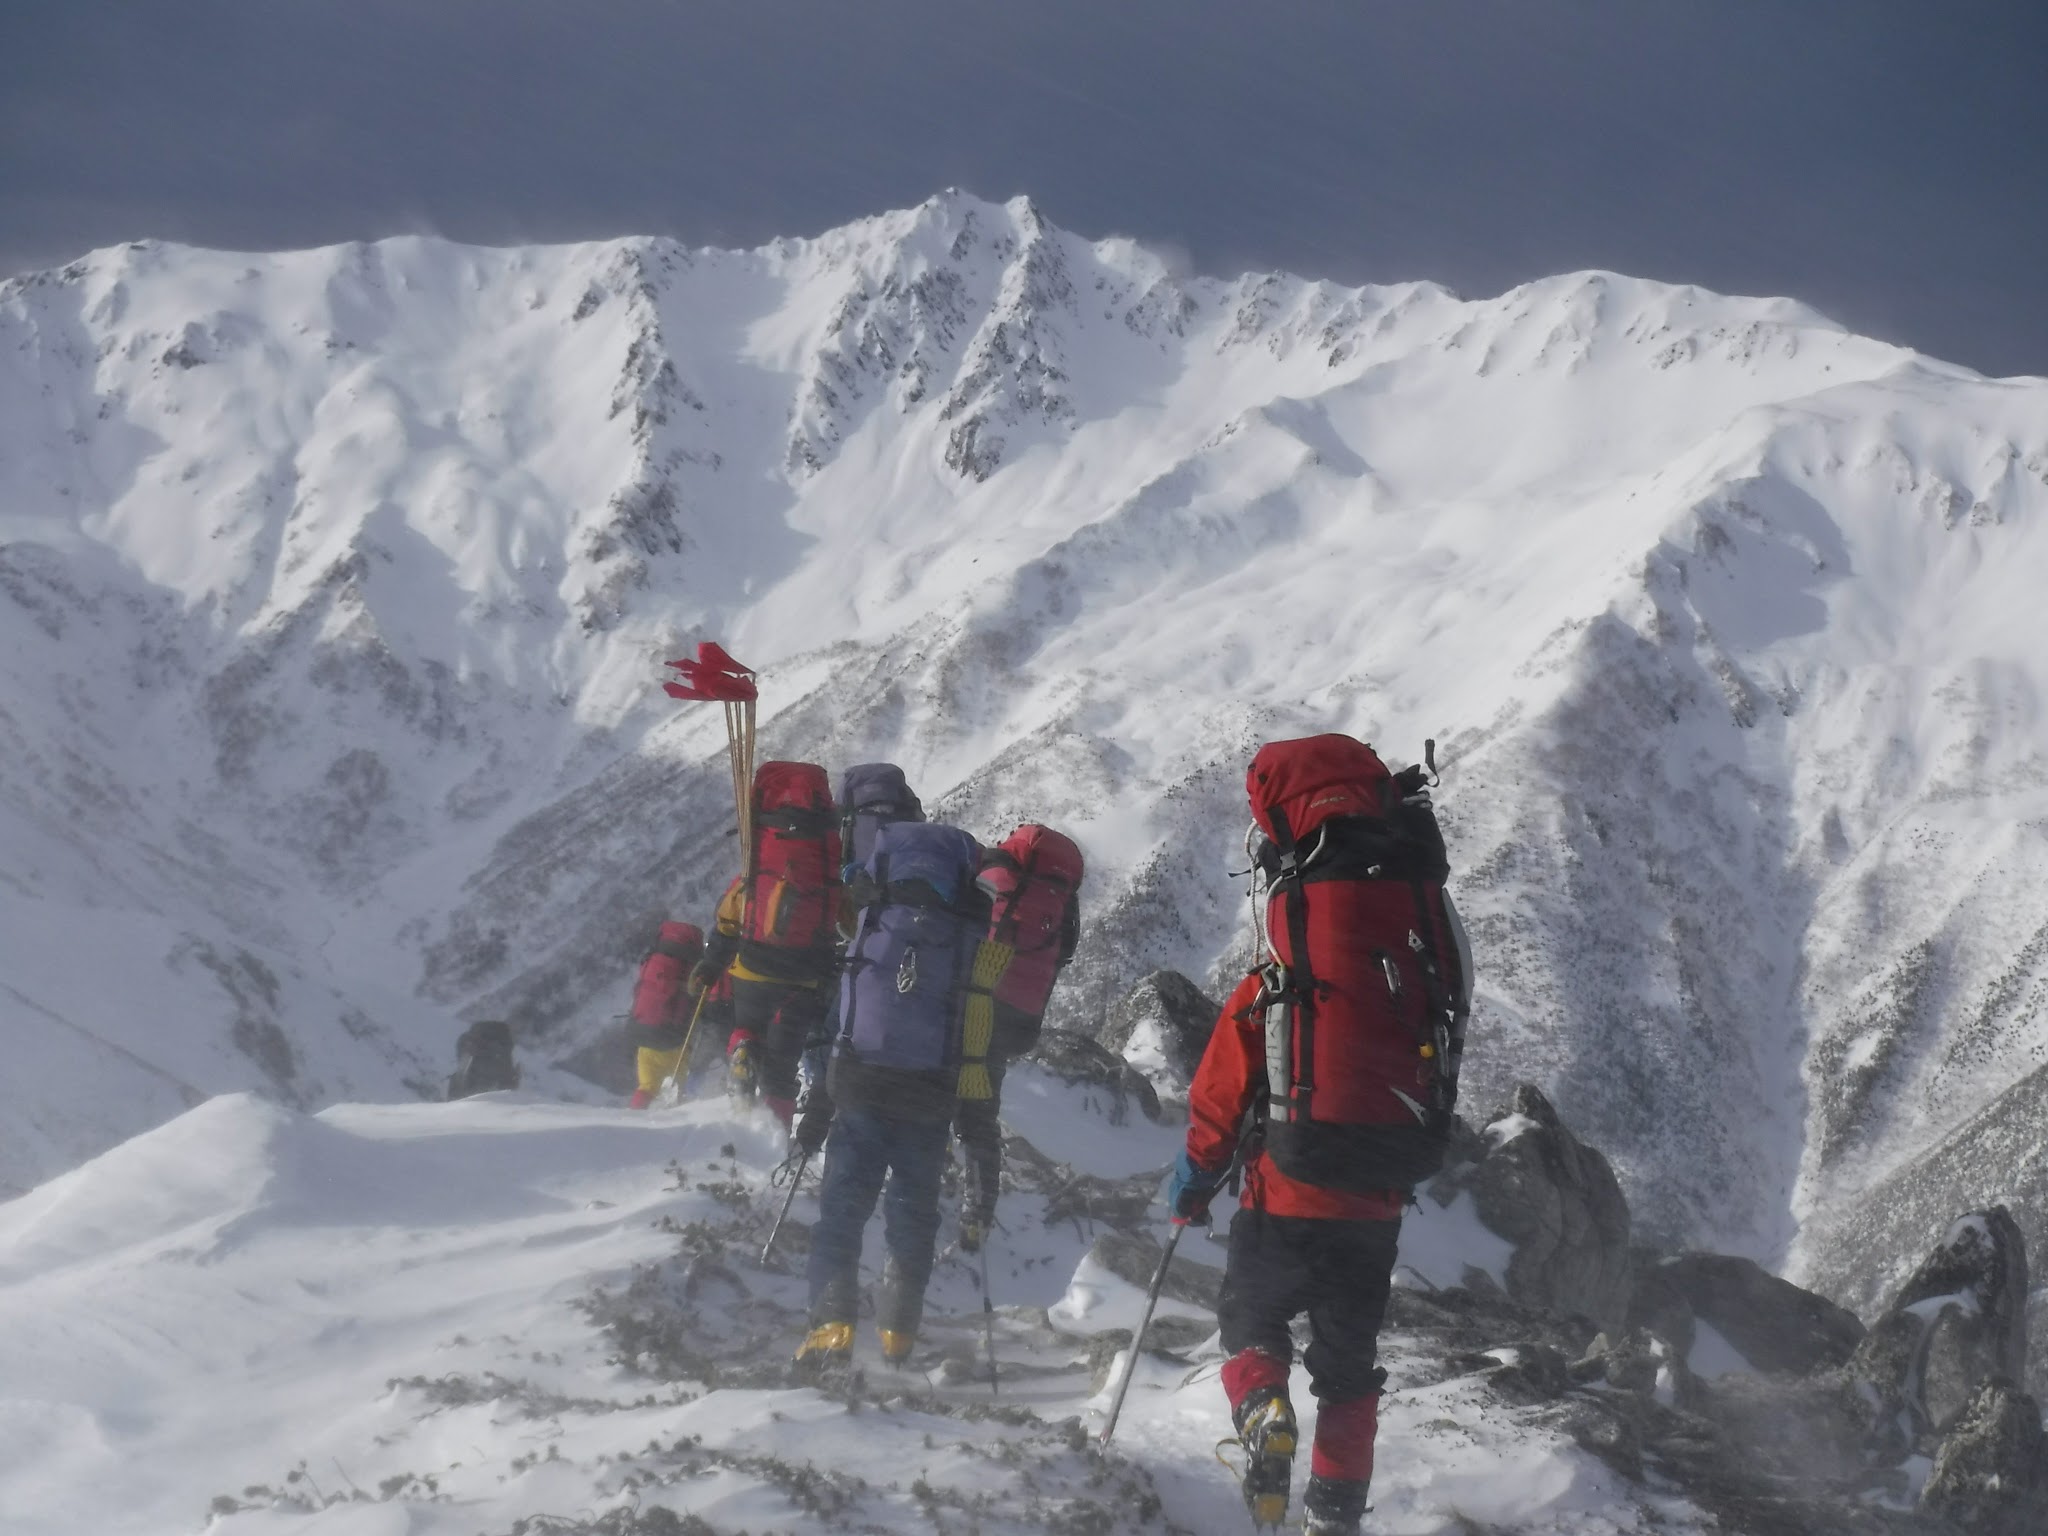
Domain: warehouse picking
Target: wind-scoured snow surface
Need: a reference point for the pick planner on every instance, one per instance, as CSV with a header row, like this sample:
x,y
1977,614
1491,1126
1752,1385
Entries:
x,y
334,587
374,1320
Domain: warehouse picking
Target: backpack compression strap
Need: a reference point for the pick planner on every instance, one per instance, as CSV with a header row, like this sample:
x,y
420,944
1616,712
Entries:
x,y
1301,980
1442,1042
851,962
1006,927
797,821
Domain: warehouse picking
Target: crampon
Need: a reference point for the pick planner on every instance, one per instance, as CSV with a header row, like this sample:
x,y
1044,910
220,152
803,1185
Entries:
x,y
1267,1439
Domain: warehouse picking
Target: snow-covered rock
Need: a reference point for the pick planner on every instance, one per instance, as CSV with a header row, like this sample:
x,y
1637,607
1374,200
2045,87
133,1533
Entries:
x,y
1554,1201
1961,1320
1990,1476
1161,1027
1725,1313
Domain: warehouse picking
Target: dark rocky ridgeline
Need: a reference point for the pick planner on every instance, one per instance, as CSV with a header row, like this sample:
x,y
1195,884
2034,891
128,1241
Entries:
x,y
1919,1426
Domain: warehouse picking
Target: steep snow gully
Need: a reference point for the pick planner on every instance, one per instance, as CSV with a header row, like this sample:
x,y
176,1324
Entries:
x,y
333,585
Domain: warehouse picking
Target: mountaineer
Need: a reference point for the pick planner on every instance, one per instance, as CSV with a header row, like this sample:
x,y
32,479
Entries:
x,y
916,1018
1337,1062
1033,882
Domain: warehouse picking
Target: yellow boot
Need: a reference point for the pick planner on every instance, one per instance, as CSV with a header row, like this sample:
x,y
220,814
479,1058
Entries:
x,y
896,1347
824,1347
742,1077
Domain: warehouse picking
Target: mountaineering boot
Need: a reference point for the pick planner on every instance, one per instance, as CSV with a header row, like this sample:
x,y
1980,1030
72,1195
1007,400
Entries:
x,y
1333,1506
1265,1427
825,1347
640,1100
896,1346
899,1308
742,1080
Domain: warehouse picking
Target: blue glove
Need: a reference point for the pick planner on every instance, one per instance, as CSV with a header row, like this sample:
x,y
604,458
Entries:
x,y
1190,1191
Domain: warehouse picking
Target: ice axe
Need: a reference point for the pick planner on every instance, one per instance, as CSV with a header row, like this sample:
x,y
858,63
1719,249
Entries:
x,y
988,1322
1116,1407
796,1182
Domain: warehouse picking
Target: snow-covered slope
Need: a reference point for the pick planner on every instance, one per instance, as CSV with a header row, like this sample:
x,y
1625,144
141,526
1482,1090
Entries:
x,y
336,583
375,1320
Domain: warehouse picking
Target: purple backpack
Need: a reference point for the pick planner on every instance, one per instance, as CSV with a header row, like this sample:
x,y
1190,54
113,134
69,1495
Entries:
x,y
871,797
902,996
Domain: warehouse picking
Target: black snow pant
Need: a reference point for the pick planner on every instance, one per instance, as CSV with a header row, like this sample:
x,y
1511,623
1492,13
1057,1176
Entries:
x,y
778,1017
1338,1272
978,1122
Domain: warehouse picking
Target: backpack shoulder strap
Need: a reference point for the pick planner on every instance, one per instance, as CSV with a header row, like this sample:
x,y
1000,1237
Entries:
x,y
1300,986
851,962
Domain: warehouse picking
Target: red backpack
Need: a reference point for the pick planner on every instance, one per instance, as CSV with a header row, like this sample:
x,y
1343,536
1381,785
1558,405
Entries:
x,y
1366,994
1032,877
658,996
793,879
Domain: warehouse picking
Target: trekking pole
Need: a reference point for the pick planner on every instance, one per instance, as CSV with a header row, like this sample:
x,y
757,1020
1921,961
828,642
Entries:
x,y
680,1072
1138,1338
988,1322
782,1215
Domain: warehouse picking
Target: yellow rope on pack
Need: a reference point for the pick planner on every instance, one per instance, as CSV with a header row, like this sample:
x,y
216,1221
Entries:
x,y
978,1036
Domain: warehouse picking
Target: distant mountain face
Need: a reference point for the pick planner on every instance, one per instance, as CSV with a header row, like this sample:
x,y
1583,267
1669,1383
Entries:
x,y
335,584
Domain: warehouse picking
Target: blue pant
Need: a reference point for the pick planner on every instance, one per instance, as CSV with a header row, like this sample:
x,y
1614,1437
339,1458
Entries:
x,y
865,1150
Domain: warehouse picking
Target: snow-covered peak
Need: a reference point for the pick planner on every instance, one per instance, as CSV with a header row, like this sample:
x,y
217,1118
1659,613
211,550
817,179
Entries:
x,y
335,583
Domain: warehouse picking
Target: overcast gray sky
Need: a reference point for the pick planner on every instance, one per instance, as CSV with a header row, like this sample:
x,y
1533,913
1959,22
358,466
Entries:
x,y
1885,160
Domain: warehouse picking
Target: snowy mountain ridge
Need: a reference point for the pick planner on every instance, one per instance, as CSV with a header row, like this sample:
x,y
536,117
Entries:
x,y
524,1317
336,582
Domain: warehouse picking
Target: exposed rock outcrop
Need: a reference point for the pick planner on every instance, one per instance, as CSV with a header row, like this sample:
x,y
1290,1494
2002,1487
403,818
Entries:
x,y
1556,1200
1775,1326
1991,1474
1077,1059
1161,1027
1958,1322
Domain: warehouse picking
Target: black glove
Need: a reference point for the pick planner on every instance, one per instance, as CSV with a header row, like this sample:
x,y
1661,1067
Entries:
x,y
813,1124
977,1215
702,975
